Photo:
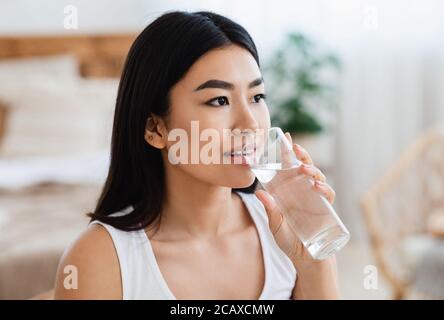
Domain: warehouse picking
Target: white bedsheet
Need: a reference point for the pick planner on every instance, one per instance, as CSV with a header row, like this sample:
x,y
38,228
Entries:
x,y
88,168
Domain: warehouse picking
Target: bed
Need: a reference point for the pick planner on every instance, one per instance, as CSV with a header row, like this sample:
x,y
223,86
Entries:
x,y
54,147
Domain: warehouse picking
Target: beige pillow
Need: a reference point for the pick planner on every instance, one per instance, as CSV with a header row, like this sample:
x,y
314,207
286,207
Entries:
x,y
60,66
52,117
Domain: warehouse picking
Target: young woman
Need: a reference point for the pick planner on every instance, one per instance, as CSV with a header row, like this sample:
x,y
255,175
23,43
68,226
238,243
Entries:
x,y
190,231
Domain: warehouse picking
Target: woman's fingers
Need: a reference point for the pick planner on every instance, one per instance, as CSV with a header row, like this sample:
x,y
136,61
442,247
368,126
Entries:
x,y
286,153
309,169
313,172
284,235
289,138
275,217
325,190
302,154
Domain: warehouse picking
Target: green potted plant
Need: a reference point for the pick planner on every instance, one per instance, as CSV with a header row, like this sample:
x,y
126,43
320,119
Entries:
x,y
301,78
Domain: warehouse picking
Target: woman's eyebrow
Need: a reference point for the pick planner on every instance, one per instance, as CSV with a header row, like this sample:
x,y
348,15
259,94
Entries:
x,y
220,84
256,82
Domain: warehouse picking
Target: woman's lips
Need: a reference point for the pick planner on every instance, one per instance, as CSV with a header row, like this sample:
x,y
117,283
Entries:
x,y
239,157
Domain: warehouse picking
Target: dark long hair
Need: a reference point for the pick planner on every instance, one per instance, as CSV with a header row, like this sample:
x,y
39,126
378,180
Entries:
x,y
159,57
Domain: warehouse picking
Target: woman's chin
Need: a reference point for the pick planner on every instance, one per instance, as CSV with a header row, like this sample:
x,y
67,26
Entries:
x,y
242,179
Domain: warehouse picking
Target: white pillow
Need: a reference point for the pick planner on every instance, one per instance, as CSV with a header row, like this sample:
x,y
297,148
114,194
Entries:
x,y
52,117
60,66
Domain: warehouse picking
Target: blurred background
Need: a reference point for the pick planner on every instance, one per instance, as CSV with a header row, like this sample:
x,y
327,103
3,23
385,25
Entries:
x,y
358,83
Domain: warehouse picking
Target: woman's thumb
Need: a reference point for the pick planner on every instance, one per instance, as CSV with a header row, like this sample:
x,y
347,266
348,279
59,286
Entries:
x,y
274,215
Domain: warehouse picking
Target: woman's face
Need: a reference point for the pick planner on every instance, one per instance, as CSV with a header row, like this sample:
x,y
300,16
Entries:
x,y
221,95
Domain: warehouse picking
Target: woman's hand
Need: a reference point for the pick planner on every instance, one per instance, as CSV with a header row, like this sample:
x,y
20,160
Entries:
x,y
284,236
317,279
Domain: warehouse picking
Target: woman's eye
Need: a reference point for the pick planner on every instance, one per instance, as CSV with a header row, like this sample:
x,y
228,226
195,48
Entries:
x,y
257,98
218,101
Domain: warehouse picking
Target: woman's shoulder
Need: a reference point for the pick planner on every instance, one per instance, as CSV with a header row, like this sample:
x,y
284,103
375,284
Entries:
x,y
89,267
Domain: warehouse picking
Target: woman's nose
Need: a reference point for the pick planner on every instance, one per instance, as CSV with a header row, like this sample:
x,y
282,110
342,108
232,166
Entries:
x,y
245,119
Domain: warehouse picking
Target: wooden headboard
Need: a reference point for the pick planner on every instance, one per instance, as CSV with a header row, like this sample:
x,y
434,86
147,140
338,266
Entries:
x,y
98,55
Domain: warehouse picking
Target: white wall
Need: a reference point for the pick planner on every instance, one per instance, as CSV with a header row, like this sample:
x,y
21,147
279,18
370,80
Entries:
x,y
47,16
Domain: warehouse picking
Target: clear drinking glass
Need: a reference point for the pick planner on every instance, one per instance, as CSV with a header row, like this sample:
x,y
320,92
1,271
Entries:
x,y
308,213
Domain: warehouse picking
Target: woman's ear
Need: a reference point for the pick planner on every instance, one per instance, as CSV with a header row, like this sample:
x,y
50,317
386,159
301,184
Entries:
x,y
155,132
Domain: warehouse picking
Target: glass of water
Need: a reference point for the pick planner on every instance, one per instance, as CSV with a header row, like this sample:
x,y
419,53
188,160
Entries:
x,y
308,213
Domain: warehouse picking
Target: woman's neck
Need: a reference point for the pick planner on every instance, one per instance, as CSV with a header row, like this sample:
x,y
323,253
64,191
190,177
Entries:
x,y
195,209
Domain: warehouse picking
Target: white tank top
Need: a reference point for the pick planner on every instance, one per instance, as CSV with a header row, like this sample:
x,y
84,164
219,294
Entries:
x,y
143,280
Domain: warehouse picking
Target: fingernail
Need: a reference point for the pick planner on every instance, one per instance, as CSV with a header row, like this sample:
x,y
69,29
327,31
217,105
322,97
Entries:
x,y
269,197
266,195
